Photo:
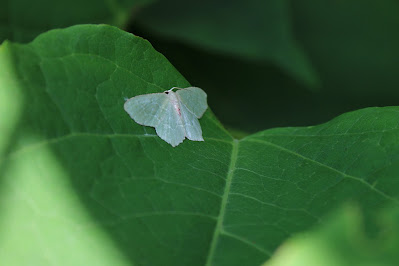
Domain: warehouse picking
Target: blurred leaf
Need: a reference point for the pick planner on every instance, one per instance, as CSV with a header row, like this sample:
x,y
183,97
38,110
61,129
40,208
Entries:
x,y
354,45
341,241
23,20
80,177
257,30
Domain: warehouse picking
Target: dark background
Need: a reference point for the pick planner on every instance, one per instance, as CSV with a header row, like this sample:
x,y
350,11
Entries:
x,y
351,46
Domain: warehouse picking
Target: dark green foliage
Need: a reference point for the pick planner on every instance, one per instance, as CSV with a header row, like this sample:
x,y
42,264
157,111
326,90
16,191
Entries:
x,y
83,184
76,156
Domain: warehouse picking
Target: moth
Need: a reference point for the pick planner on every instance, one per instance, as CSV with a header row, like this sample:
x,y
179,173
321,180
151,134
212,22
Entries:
x,y
174,115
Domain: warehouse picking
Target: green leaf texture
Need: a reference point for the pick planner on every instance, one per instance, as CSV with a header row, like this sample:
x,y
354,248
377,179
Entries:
x,y
82,184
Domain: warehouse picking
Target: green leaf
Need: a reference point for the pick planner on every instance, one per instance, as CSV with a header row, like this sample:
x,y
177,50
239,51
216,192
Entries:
x,y
255,30
341,241
82,184
23,20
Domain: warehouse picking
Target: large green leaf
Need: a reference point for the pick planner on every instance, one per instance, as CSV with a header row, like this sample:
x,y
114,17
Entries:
x,y
82,184
23,20
257,30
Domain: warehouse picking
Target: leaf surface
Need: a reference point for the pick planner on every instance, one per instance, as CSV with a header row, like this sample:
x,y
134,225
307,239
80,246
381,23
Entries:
x,y
84,184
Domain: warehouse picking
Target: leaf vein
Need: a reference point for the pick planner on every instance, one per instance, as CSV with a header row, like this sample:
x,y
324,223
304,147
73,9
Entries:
x,y
358,179
247,242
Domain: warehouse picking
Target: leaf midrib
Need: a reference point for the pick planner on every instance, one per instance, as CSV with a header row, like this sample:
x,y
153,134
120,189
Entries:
x,y
219,225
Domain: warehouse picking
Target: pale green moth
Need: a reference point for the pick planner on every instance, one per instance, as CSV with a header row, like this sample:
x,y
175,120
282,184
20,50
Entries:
x,y
173,114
